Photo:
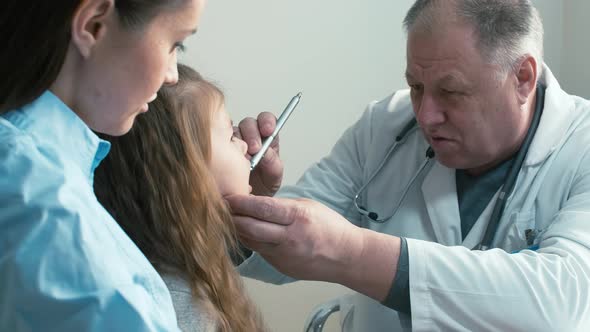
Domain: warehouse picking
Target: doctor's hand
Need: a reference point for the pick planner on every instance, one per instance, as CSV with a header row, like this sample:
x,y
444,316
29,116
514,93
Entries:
x,y
267,176
306,240
299,237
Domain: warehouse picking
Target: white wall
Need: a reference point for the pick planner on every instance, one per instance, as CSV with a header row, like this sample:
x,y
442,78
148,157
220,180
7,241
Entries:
x,y
341,54
552,15
576,44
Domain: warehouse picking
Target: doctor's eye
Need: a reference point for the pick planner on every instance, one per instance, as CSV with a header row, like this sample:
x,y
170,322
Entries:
x,y
416,88
447,92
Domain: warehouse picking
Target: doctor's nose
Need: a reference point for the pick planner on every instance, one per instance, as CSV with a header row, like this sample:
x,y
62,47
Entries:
x,y
429,112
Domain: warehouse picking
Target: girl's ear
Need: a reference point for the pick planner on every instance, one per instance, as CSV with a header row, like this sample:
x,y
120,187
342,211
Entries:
x,y
89,24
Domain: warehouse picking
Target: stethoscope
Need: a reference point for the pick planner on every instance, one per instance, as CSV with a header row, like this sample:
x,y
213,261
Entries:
x,y
505,191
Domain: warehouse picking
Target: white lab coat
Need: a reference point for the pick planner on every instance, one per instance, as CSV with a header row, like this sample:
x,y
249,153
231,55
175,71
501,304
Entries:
x,y
453,288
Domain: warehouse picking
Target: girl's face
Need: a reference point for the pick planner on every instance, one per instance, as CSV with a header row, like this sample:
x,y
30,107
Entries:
x,y
229,164
124,72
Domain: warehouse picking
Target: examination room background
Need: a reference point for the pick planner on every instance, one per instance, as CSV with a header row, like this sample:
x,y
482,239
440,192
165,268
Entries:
x,y
341,55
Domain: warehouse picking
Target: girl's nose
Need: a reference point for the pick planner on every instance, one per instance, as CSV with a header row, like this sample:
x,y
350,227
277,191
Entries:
x,y
243,146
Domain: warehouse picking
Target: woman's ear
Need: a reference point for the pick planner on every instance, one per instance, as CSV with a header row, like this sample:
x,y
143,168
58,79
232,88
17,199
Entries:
x,y
526,76
89,24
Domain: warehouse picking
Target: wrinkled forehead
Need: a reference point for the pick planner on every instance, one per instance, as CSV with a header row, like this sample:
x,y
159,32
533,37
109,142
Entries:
x,y
448,51
446,40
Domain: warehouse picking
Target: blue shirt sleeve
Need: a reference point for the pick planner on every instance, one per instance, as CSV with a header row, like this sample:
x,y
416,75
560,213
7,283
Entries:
x,y
61,263
399,295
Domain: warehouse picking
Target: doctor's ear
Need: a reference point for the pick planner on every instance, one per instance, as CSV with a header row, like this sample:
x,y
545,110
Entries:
x,y
89,23
526,78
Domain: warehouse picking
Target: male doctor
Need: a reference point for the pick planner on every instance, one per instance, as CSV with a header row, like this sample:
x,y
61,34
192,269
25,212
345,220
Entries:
x,y
479,218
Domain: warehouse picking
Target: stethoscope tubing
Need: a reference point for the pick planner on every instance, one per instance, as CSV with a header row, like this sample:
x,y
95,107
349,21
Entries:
x,y
505,191
399,140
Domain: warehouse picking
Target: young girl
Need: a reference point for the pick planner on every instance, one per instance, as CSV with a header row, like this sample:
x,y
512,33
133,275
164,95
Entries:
x,y
70,68
164,181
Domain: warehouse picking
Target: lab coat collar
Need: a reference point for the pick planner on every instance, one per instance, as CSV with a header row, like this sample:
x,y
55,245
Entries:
x,y
558,115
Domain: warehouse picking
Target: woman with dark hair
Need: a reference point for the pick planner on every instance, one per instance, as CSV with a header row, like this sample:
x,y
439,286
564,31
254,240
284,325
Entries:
x,y
163,182
71,68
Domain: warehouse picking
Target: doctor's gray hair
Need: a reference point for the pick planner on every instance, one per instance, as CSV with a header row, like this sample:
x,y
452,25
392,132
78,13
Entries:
x,y
507,29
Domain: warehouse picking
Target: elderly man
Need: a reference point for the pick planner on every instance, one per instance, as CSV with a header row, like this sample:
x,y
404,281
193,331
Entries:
x,y
475,217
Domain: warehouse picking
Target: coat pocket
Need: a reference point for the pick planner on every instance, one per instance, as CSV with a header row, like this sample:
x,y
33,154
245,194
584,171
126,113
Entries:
x,y
521,232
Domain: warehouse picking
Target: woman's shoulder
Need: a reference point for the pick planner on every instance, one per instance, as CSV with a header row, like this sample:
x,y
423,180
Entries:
x,y
24,169
51,207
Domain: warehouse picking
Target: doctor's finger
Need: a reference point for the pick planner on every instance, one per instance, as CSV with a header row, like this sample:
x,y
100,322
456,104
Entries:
x,y
260,247
271,165
266,123
274,210
259,231
250,134
275,144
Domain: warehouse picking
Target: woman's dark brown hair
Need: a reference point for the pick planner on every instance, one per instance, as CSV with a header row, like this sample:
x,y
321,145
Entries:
x,y
157,185
36,36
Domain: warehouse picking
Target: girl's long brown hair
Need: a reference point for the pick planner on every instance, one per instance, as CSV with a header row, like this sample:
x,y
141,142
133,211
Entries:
x,y
157,185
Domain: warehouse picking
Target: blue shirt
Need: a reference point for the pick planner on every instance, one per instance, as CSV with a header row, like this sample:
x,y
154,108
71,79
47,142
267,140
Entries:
x,y
65,264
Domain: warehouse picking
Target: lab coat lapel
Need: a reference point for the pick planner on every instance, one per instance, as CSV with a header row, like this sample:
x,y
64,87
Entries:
x,y
558,115
440,196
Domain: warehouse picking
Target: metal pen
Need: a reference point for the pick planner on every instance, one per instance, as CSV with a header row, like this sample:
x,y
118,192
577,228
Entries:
x,y
280,122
